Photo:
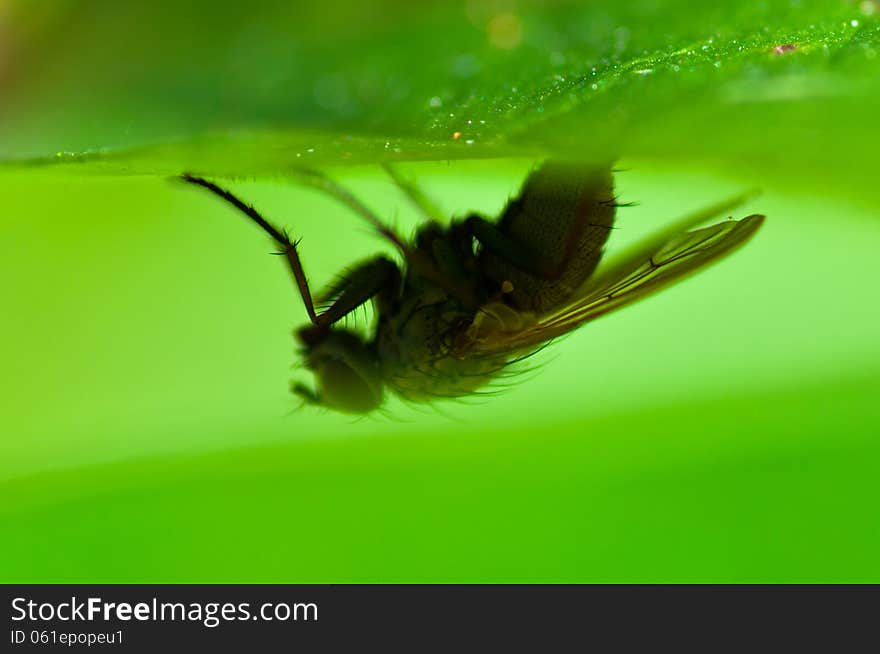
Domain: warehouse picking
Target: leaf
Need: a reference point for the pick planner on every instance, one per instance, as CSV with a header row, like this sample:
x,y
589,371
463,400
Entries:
x,y
775,88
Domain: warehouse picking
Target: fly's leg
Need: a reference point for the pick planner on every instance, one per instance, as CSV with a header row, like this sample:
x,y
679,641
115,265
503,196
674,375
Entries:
x,y
520,254
321,182
306,394
414,193
417,259
288,246
379,278
353,290
451,254
451,264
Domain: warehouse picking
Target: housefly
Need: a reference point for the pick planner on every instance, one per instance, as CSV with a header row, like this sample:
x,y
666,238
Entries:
x,y
474,296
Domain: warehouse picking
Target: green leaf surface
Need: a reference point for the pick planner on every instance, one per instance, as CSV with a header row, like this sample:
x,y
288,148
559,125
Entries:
x,y
774,88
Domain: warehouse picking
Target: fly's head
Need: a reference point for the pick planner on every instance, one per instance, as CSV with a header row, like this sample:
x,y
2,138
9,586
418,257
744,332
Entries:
x,y
346,369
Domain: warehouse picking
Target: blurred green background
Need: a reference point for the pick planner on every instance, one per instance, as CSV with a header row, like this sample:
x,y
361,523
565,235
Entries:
x,y
723,430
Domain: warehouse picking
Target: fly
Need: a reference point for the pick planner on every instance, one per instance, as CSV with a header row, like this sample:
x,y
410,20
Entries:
x,y
476,295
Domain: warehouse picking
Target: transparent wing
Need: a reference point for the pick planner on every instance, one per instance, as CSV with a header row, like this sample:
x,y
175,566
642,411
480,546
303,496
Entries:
x,y
651,267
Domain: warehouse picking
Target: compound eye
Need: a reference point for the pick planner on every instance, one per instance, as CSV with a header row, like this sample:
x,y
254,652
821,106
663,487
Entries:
x,y
341,387
347,374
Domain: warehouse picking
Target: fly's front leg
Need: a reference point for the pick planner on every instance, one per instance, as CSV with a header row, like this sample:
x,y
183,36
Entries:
x,y
377,277
288,247
354,289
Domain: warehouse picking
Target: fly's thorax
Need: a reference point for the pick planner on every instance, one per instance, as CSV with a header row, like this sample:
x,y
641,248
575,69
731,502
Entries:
x,y
419,347
563,216
424,326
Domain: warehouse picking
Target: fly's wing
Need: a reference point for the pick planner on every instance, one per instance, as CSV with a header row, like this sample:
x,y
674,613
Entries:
x,y
655,265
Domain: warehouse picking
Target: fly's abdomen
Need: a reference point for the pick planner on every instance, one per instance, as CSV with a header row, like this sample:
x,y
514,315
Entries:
x,y
560,221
